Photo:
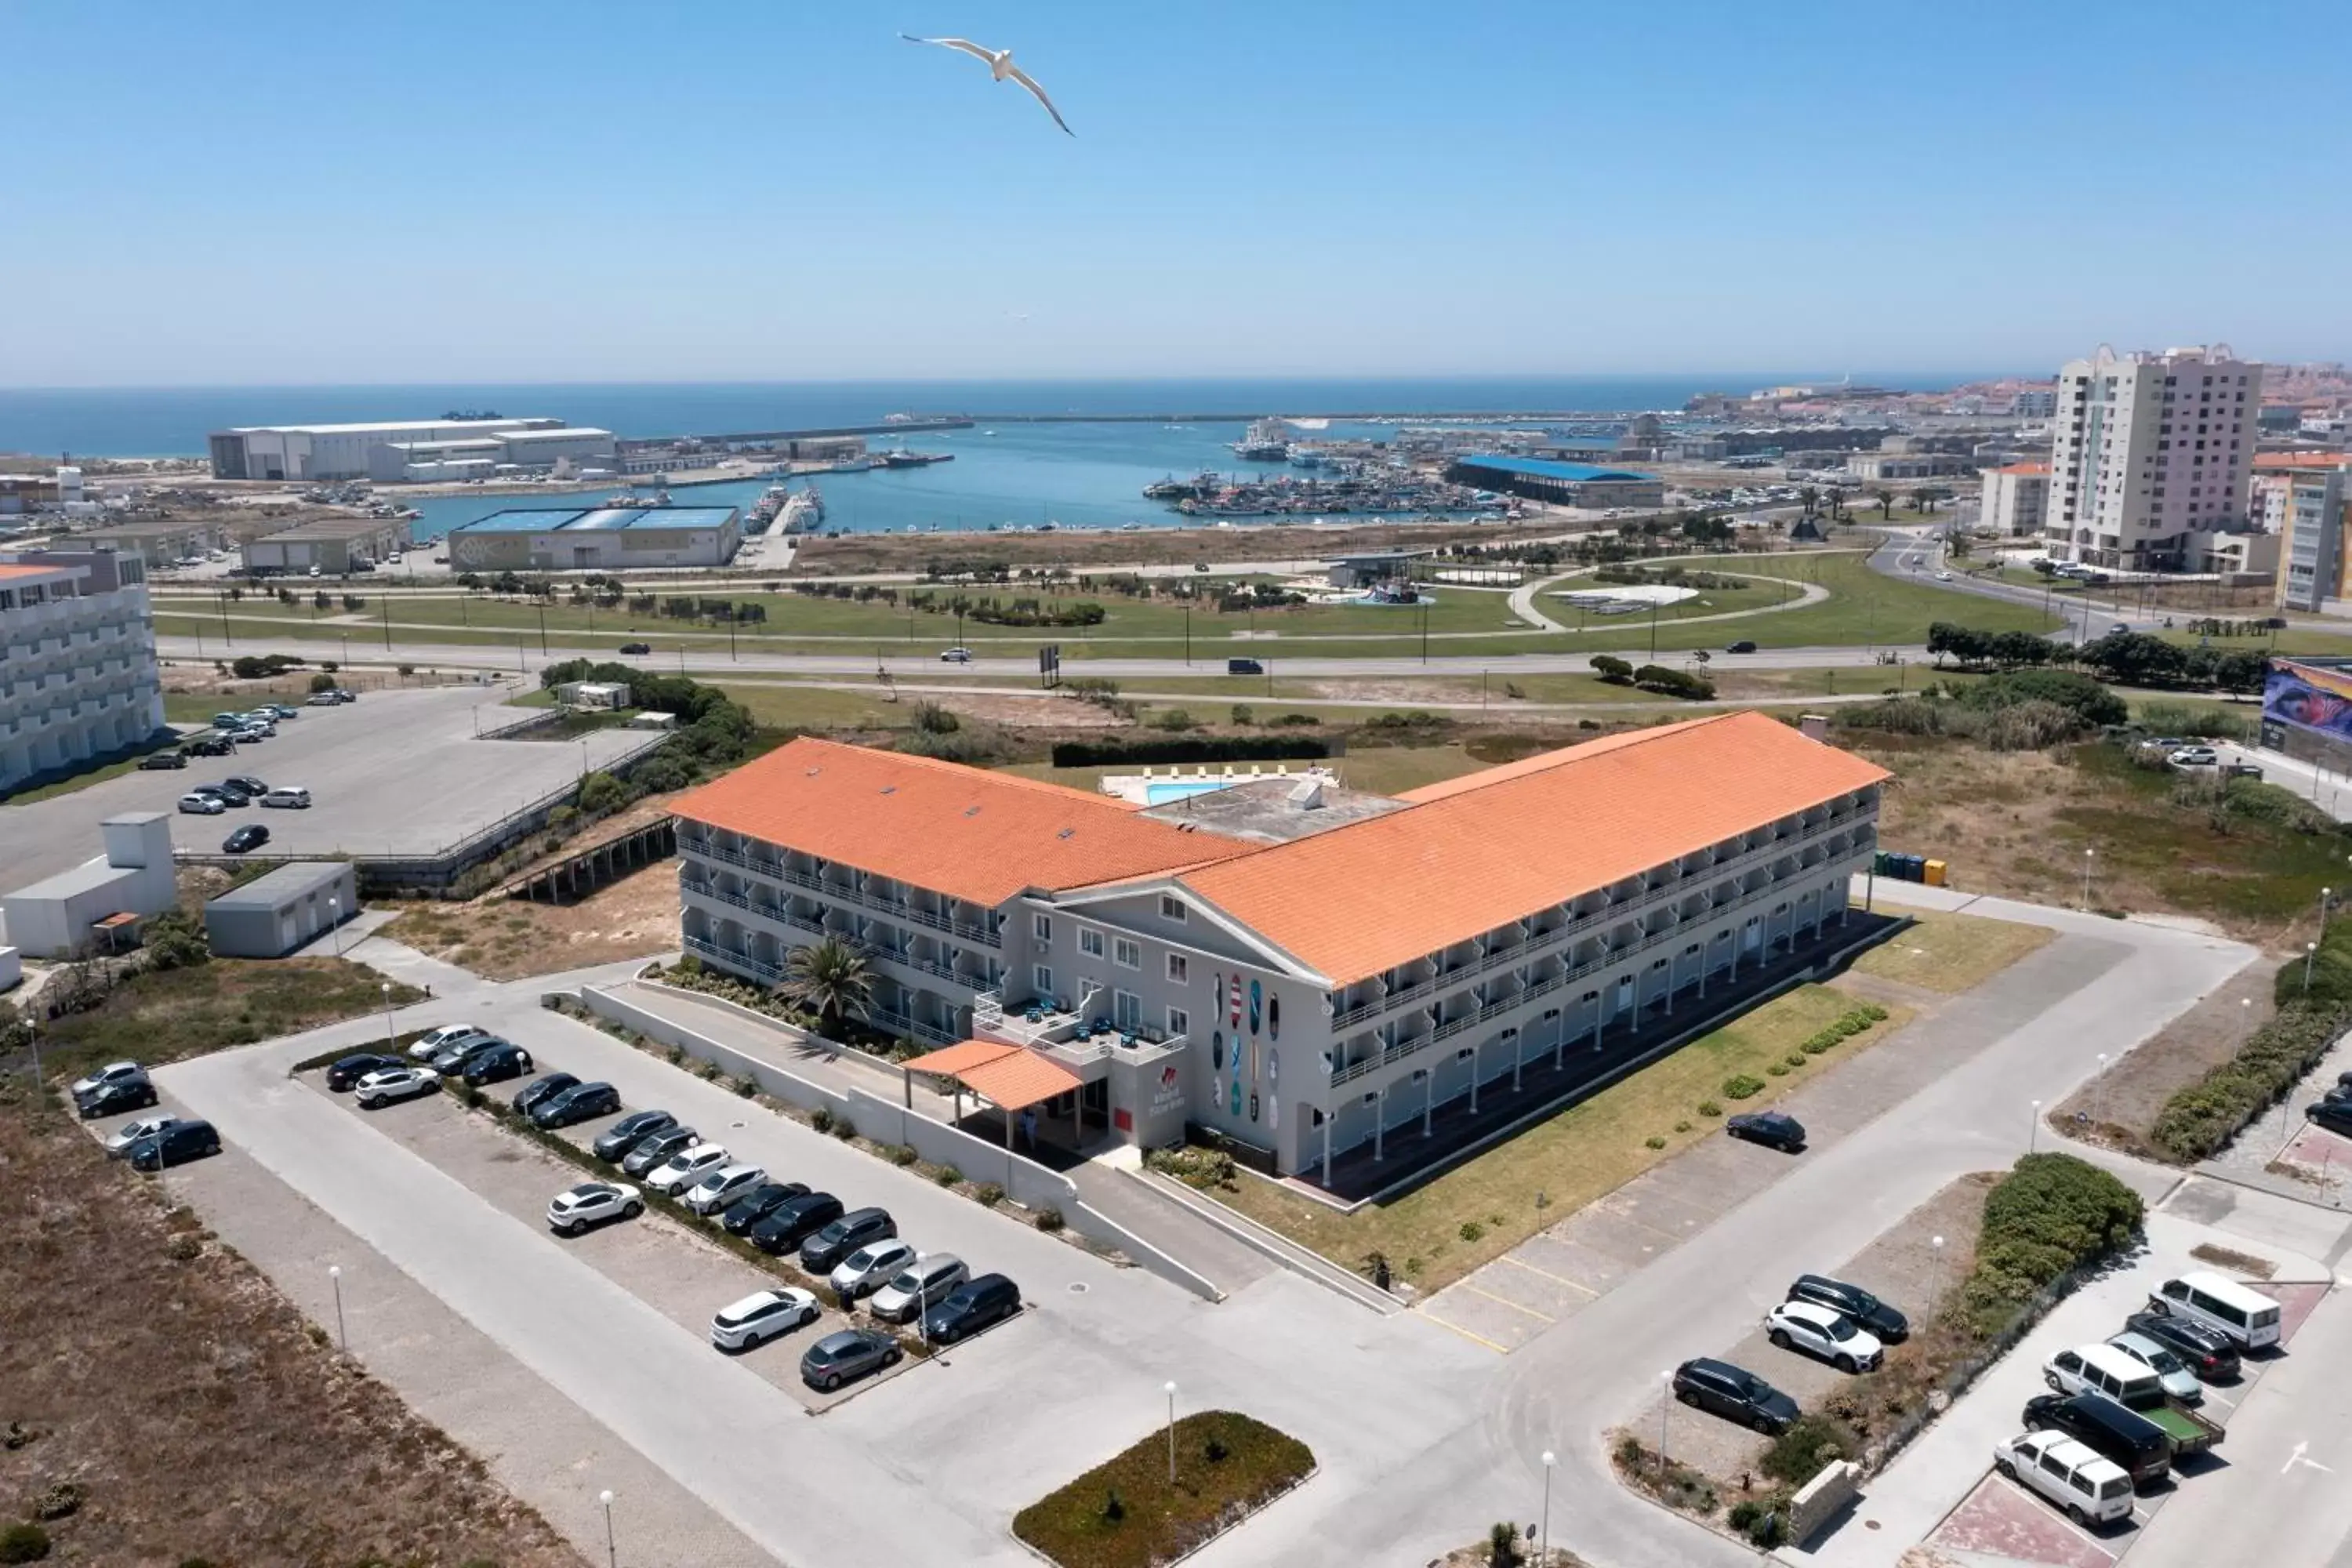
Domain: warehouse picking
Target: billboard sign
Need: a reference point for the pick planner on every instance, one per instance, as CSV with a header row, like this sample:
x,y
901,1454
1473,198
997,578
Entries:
x,y
2310,697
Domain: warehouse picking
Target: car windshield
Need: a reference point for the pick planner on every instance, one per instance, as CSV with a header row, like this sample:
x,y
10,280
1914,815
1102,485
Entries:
x,y
832,1232
907,1280
1840,1329
864,1257
2161,1358
1757,1389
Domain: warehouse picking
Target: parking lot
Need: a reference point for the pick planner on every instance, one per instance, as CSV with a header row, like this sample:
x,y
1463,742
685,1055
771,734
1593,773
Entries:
x,y
397,772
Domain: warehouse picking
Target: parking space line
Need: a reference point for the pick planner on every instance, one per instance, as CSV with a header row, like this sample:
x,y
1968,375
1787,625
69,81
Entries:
x,y
1555,1278
1473,1339
1506,1301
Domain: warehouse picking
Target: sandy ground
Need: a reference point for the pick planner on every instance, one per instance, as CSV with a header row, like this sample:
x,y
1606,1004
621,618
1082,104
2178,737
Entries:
x,y
505,938
2118,1107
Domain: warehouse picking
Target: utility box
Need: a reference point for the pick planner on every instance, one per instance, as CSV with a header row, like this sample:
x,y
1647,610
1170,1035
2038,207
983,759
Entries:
x,y
271,916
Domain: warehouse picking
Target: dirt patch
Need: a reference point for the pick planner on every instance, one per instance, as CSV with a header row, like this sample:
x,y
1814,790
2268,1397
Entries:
x,y
196,1412
2119,1106
2231,1257
506,939
1039,713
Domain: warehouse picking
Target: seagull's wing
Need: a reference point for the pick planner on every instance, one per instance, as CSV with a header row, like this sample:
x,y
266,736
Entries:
x,y
978,51
1025,79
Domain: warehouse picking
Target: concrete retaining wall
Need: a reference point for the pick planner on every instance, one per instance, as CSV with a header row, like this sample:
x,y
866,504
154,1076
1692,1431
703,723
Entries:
x,y
788,1087
1028,1183
1820,1499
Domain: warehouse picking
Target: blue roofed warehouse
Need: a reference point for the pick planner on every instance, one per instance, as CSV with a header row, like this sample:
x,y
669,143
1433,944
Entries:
x,y
1564,484
597,539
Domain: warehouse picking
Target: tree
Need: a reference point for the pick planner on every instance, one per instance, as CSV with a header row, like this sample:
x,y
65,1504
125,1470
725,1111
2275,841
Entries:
x,y
601,793
1612,669
322,682
1885,500
828,978
1810,497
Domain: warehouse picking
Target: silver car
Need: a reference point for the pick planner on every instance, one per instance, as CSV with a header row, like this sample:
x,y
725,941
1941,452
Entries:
x,y
2178,1380
921,1285
870,1268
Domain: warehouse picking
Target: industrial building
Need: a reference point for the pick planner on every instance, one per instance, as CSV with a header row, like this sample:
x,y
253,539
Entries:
x,y
1875,468
22,493
569,448
2015,496
304,453
2146,450
101,902
1567,484
1302,969
158,540
272,915
78,681
569,539
335,546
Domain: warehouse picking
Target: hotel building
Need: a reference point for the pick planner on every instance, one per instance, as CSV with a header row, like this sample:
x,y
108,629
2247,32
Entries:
x,y
2148,450
1302,968
78,674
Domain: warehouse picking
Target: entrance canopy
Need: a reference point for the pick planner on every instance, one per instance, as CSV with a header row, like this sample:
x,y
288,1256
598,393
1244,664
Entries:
x,y
1010,1077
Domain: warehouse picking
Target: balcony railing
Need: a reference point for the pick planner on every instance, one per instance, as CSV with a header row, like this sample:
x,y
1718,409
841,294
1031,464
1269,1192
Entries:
x,y
847,892
728,956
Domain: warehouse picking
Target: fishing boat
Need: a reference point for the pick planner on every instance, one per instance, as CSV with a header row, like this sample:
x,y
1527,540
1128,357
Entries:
x,y
804,510
1264,442
900,457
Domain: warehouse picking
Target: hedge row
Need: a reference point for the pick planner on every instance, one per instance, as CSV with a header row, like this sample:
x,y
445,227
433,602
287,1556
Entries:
x,y
2051,1216
1845,1026
2202,1117
1198,749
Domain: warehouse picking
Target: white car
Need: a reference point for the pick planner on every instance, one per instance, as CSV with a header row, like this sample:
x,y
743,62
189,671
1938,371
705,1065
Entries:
x,y
870,1267
388,1084
592,1203
681,1169
202,804
2091,1490
111,1073
761,1315
2195,757
956,655
1825,1332
433,1042
919,1287
722,1186
293,796
130,1132
2171,1369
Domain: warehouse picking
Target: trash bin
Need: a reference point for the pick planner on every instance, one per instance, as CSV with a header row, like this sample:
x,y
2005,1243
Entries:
x,y
1935,873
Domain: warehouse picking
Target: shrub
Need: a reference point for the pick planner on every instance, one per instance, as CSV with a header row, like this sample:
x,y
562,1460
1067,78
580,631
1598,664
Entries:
x,y
949,1176
746,1088
323,682
1050,1220
933,720
1742,1087
61,1500
1682,1126
1190,748
1653,1142
1765,1531
1709,1108
1176,720
2051,1214
1778,1069
989,1194
1244,714
903,1155
1612,669
1744,1513
23,1543
1797,1454
1472,1230
843,1129
822,1120
1795,1058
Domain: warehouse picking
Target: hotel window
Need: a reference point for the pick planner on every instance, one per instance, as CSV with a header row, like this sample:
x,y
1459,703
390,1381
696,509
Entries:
x,y
1045,980
1177,968
1091,942
1172,909
1042,926
1179,1022
1127,1009
1126,954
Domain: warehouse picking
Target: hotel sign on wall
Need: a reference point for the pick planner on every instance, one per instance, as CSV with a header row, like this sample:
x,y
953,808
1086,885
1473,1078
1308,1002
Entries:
x,y
1168,1094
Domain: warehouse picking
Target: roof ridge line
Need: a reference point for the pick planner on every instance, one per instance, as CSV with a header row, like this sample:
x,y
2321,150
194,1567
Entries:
x,y
993,775
1470,784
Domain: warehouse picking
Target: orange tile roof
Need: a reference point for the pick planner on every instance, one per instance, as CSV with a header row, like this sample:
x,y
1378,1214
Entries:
x,y
1475,852
2290,460
9,573
2023,468
965,832
956,1060
1019,1080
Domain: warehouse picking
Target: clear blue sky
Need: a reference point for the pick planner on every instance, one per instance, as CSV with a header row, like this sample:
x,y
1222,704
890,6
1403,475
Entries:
x,y
780,189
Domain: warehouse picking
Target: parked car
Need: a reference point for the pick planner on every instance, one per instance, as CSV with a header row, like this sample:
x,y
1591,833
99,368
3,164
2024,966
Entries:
x,y
210,746
845,1235
2335,1115
322,699
794,1221
2209,1353
1244,666
196,805
2169,1369
453,1057
683,1169
763,1315
870,1268
575,1209
580,1102
956,655
1742,646
113,1074
381,1087
498,1063
1735,1393
917,1288
1825,1332
2195,757
636,648
2249,1318
654,1148
758,1204
722,1186
2093,1490
538,1090
253,787
111,1099
345,1071
1881,1318
433,1042
163,759
229,794
130,1132
176,1145
1773,1129
614,1143
288,797
2104,1370
971,1307
849,1353
246,840
2131,1440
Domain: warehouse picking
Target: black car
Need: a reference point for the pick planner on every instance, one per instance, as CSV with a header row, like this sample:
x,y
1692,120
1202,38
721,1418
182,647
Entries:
x,y
176,1145
246,839
498,1064
451,1058
614,1143
1742,646
1244,666
756,1204
252,786
827,1248
2211,1354
1773,1129
229,791
636,648
107,1099
2107,1429
2336,1115
971,1307
210,746
794,1221
582,1103
851,1353
540,1090
163,760
1735,1393
2338,1092
1855,1302
653,1149
348,1070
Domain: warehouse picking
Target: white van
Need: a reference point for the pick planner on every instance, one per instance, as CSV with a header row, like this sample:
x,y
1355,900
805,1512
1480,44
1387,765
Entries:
x,y
2091,1490
2103,1369
293,796
2248,1317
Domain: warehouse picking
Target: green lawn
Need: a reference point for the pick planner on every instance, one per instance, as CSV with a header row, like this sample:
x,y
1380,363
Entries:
x,y
1484,1207
1127,1512
1951,954
67,785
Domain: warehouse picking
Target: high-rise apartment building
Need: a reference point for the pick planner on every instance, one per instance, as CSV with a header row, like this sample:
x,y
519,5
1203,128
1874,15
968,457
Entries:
x,y
78,675
2146,450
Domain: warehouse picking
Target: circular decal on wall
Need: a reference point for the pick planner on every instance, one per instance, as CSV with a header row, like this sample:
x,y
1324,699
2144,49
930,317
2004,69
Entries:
x,y
1274,1018
1216,1050
1254,1000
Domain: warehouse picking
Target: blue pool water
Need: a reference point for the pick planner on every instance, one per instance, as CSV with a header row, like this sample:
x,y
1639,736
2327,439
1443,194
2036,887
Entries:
x,y
1162,794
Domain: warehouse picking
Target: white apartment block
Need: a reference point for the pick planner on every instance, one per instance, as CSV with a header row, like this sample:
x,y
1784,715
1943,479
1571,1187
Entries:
x,y
78,674
2148,450
2015,498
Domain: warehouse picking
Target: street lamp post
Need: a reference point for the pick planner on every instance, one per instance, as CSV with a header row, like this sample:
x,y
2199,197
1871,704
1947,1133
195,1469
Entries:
x,y
1935,1301
389,1042
1543,1532
1665,1408
2310,953
335,920
2325,896
2090,857
612,1552
1169,1389
335,1277
2033,1129
2099,1088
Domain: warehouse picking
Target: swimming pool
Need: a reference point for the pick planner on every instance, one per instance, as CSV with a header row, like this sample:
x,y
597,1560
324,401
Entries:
x,y
1159,794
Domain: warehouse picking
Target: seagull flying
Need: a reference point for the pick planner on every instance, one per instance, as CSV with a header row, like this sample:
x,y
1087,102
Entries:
x,y
1000,67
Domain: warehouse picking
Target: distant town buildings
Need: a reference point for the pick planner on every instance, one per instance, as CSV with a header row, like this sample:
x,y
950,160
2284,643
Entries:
x,y
2015,496
2035,402
334,546
21,493
78,674
2148,450
1872,468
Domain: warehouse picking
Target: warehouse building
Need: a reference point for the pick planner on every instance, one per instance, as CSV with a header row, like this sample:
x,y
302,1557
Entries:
x,y
335,546
1309,972
271,916
312,452
568,448
568,539
160,541
1565,484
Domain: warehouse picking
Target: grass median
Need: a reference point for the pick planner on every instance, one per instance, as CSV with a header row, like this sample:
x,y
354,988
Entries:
x,y
1951,954
1130,1512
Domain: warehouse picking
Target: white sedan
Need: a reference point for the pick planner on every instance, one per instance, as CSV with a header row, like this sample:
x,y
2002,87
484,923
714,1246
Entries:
x,y
871,1266
131,1131
682,1169
761,1315
433,1042
722,1186
2196,757
591,1203
387,1084
1825,1332
202,804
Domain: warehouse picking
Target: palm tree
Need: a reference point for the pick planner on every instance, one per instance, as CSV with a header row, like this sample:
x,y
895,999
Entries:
x,y
829,978
1810,499
1885,500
